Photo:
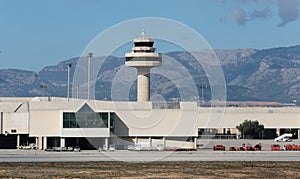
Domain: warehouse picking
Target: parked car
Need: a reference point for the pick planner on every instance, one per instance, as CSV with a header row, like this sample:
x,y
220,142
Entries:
x,y
249,148
219,147
241,148
232,149
77,149
111,148
296,147
288,147
257,147
275,147
284,138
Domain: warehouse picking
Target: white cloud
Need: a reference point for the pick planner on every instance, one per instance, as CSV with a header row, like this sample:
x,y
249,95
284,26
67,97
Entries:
x,y
264,13
239,16
288,11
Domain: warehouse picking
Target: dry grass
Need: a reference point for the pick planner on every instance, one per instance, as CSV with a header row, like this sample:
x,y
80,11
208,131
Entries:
x,y
151,170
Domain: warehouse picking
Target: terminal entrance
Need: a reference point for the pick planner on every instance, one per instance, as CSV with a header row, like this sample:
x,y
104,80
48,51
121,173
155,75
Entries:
x,y
85,143
8,141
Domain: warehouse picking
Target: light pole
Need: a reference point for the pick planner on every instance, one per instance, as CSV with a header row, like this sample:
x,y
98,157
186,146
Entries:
x,y
90,55
68,92
202,86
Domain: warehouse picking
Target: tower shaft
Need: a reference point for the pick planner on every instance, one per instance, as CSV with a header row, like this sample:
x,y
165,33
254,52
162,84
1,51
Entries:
x,y
143,84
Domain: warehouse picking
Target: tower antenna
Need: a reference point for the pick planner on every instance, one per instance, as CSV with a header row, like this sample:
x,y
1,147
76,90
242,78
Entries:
x,y
143,34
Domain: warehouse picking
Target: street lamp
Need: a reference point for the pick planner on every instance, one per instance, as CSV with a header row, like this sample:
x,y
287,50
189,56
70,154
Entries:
x,y
68,92
202,86
90,55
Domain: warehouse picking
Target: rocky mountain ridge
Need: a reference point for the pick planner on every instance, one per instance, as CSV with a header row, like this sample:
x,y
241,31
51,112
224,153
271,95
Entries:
x,y
250,74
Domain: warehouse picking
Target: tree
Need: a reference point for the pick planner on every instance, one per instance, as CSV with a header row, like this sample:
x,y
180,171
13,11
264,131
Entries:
x,y
251,129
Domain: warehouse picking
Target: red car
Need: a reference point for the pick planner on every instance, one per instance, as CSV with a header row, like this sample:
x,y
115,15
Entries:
x,y
257,146
249,148
296,147
241,149
232,149
288,147
275,147
219,147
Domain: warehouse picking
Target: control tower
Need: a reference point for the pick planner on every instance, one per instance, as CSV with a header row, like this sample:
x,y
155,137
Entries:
x,y
143,57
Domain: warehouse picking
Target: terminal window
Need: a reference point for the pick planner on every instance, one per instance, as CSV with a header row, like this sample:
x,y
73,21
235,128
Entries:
x,y
85,118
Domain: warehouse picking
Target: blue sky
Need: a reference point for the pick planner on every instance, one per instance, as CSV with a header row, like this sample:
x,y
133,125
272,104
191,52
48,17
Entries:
x,y
39,33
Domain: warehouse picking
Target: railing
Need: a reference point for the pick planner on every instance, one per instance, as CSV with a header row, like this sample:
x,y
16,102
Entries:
x,y
137,59
165,105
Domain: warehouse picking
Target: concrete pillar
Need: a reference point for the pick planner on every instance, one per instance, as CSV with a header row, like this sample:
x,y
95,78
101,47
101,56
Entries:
x,y
143,84
164,142
150,141
135,140
40,142
195,142
62,142
37,142
1,123
18,140
278,131
44,143
106,143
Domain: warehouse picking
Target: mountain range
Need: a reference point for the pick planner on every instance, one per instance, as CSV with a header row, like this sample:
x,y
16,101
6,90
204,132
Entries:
x,y
250,74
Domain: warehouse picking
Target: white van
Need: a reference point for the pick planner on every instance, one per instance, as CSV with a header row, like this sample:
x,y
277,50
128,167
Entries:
x,y
284,138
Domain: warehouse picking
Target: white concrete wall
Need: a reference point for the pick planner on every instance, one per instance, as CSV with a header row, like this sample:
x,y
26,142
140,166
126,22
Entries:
x,y
17,121
276,117
159,122
45,123
185,122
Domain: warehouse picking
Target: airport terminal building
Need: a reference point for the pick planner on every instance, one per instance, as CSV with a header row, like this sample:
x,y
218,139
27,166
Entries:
x,y
61,122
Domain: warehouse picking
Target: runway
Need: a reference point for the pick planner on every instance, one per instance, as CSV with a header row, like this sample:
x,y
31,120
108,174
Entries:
x,y
146,156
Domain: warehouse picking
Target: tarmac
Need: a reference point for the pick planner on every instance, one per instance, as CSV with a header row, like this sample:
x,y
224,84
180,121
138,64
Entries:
x,y
205,154
146,156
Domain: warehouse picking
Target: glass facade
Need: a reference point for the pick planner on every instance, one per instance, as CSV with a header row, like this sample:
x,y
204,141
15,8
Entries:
x,y
86,118
112,122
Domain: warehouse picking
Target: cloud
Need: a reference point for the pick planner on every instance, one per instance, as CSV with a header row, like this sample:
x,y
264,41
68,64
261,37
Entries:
x,y
239,16
288,11
264,13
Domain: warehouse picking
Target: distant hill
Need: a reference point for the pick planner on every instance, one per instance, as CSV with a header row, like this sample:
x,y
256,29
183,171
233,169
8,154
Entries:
x,y
19,83
257,75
